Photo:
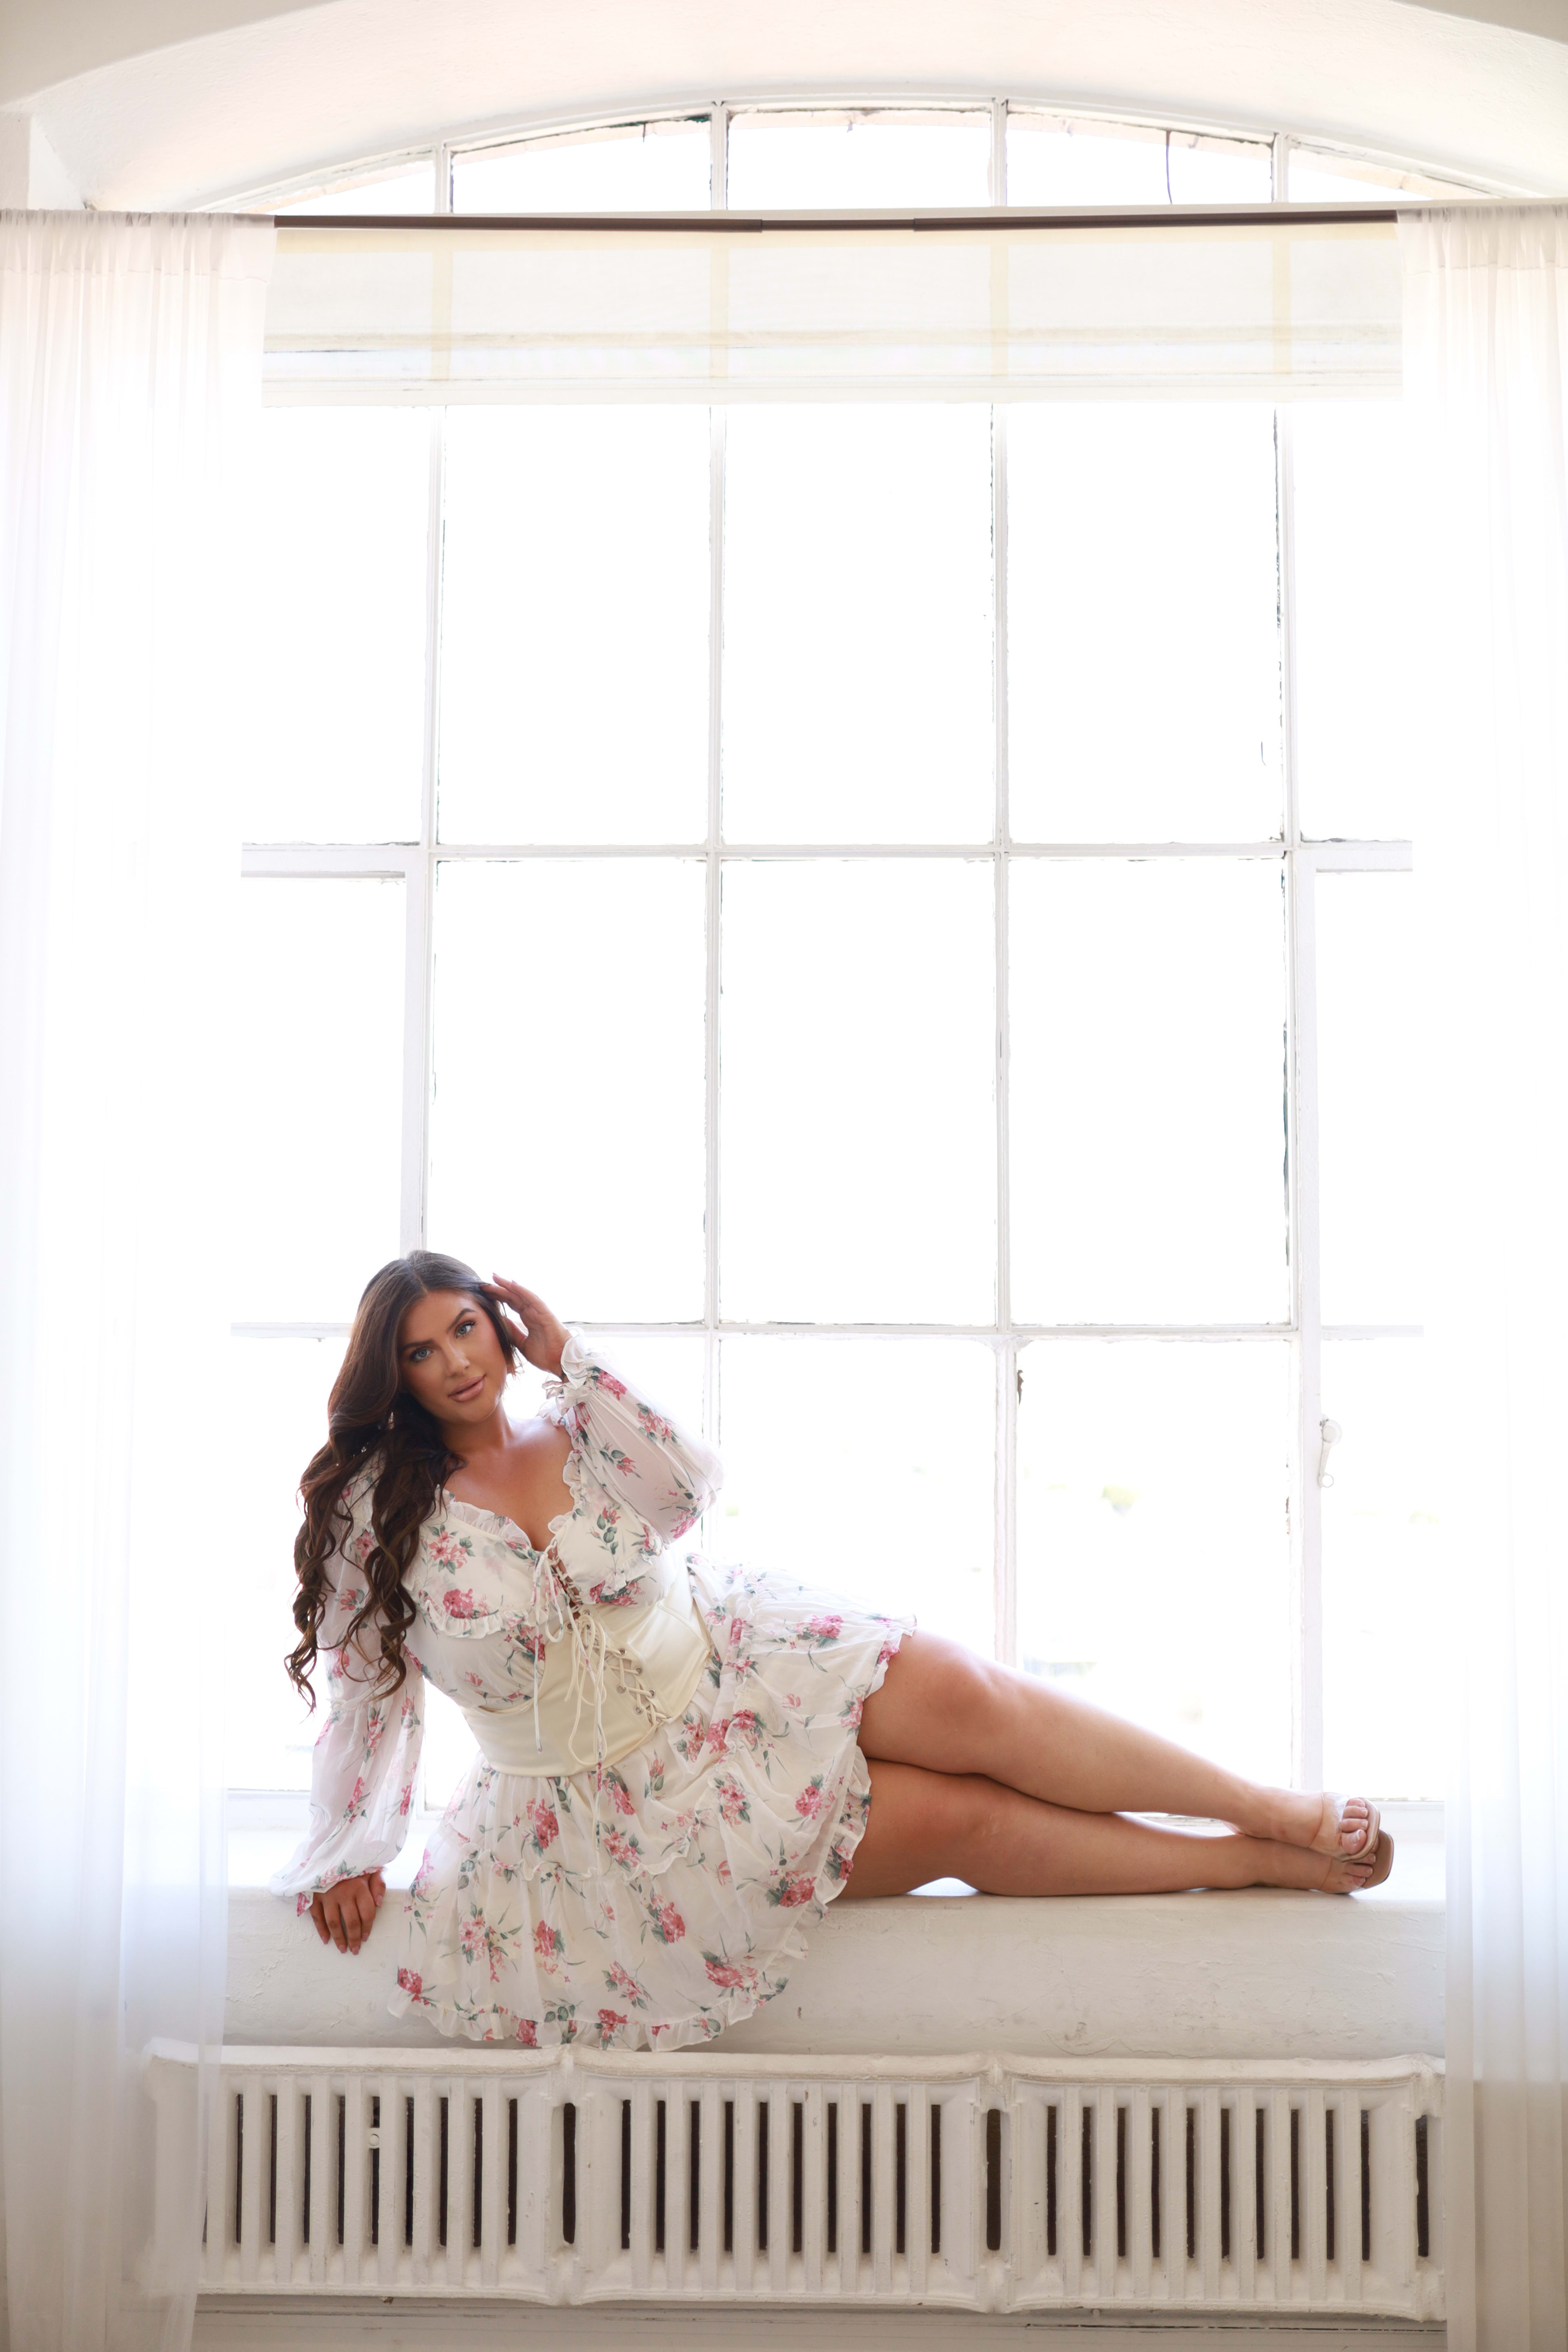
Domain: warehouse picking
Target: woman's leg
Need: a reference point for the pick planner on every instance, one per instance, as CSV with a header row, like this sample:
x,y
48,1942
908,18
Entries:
x,y
926,1825
941,1707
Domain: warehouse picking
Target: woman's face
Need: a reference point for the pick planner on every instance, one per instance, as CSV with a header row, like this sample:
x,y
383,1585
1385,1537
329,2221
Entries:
x,y
449,1357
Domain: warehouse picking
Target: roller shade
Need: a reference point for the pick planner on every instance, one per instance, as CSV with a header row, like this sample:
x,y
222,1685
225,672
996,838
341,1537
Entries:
x,y
1266,308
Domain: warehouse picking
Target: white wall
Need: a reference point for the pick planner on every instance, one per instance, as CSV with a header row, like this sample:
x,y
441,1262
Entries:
x,y
164,103
31,174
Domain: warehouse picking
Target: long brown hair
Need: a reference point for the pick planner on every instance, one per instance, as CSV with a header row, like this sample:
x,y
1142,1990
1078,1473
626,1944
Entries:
x,y
373,1423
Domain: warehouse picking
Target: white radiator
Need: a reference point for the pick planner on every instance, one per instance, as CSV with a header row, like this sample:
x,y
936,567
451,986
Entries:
x,y
984,2184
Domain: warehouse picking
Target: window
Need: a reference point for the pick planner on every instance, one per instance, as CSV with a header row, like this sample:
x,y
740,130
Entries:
x,y
949,874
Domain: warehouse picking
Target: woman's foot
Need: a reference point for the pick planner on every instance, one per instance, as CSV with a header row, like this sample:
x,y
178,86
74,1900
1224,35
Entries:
x,y
1346,1827
1278,1864
1354,1875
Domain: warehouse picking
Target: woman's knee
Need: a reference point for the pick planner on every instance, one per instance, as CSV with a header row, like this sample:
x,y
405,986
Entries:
x,y
948,1707
969,1821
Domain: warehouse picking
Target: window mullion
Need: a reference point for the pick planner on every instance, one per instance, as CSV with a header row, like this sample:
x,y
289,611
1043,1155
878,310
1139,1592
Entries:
x,y
718,158
1301,1195
713,899
1279,167
1006,1609
417,1060
1307,1517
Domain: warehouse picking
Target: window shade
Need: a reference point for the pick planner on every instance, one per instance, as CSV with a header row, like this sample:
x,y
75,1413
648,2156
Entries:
x,y
991,312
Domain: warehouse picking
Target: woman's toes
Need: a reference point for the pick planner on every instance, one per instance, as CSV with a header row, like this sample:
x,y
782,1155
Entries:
x,y
1345,1826
1345,1876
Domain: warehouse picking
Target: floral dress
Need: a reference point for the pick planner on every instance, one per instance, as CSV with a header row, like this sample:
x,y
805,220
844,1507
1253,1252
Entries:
x,y
657,1894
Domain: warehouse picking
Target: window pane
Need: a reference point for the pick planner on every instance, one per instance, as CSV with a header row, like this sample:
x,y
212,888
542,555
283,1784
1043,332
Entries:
x,y
634,167
1148,1073
1368,1098
394,188
1360,610
317,1165
566,1133
795,161
858,624
1060,159
1384,1725
1144,649
334,748
1316,176
575,625
1153,1553
858,1122
668,1372
868,1468
279,1390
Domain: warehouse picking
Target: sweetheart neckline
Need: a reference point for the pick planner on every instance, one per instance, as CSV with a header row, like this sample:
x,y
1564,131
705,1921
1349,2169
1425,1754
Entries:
x,y
482,1512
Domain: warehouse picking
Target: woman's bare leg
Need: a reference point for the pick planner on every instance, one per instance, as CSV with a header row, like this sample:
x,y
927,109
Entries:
x,y
926,1825
941,1707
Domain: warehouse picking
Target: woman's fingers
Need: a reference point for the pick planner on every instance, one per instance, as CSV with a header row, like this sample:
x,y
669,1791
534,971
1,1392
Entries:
x,y
507,1295
362,1914
527,1302
345,1914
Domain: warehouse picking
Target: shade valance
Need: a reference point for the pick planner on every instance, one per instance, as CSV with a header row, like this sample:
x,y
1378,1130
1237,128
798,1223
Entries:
x,y
1270,309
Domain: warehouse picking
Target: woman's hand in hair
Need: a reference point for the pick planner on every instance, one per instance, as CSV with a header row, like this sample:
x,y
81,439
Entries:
x,y
345,1914
542,1336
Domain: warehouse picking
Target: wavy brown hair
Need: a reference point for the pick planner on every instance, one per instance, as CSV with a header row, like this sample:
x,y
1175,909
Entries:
x,y
371,1419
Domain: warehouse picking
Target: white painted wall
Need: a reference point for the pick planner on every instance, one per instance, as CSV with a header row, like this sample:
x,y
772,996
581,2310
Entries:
x,y
164,103
32,176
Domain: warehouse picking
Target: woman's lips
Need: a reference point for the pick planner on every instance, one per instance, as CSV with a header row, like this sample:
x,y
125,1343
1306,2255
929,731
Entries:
x,y
463,1396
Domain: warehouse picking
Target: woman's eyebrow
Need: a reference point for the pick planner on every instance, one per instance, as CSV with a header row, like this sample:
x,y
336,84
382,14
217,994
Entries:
x,y
461,1317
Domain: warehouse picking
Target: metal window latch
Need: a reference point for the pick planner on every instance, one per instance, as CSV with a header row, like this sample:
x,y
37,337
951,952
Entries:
x,y
1331,1434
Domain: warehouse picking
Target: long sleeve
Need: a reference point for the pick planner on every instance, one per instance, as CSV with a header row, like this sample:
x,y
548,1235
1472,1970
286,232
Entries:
x,y
367,1754
633,1449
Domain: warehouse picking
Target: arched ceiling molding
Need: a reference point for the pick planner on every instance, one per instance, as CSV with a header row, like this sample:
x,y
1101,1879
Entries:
x,y
43,42
312,89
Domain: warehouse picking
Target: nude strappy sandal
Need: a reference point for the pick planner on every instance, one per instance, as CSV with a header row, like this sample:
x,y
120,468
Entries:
x,y
1382,1862
1328,1841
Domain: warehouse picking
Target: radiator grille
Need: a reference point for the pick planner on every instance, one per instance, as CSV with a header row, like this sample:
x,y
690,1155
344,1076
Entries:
x,y
986,2184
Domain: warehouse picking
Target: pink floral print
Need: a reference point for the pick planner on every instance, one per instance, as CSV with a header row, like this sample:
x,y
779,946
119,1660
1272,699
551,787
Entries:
x,y
667,1923
662,1899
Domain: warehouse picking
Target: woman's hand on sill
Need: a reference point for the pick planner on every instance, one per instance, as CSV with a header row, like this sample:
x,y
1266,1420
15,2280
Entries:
x,y
345,1914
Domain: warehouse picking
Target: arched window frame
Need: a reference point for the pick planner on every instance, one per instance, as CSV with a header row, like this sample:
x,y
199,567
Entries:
x,y
1303,861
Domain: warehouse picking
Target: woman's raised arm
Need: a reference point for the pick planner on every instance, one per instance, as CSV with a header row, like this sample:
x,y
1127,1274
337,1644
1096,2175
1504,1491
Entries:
x,y
668,1477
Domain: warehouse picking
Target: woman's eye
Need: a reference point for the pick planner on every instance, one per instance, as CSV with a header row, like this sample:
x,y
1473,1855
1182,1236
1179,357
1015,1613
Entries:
x,y
464,1328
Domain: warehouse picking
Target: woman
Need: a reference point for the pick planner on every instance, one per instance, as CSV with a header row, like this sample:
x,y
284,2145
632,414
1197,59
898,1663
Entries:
x,y
678,1766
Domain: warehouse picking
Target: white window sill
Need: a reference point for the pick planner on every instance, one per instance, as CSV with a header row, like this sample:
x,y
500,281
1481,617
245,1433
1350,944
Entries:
x,y
1257,1974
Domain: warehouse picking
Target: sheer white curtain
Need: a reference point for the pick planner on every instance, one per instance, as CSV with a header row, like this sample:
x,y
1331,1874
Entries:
x,y
130,363
1485,334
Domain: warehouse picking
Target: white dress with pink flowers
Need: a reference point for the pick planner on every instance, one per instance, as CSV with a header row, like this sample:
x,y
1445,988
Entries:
x,y
655,1892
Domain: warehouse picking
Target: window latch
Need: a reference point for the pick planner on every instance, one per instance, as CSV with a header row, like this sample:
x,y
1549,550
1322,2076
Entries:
x,y
1330,1433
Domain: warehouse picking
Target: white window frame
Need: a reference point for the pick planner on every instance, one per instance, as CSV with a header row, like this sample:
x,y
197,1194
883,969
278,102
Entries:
x,y
415,863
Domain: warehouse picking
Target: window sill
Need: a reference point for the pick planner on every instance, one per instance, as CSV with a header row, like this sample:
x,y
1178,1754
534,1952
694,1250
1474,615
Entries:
x,y
1257,1974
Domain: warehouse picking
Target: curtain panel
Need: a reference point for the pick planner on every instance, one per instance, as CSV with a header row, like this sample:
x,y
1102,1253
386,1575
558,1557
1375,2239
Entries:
x,y
130,364
1485,343
996,311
